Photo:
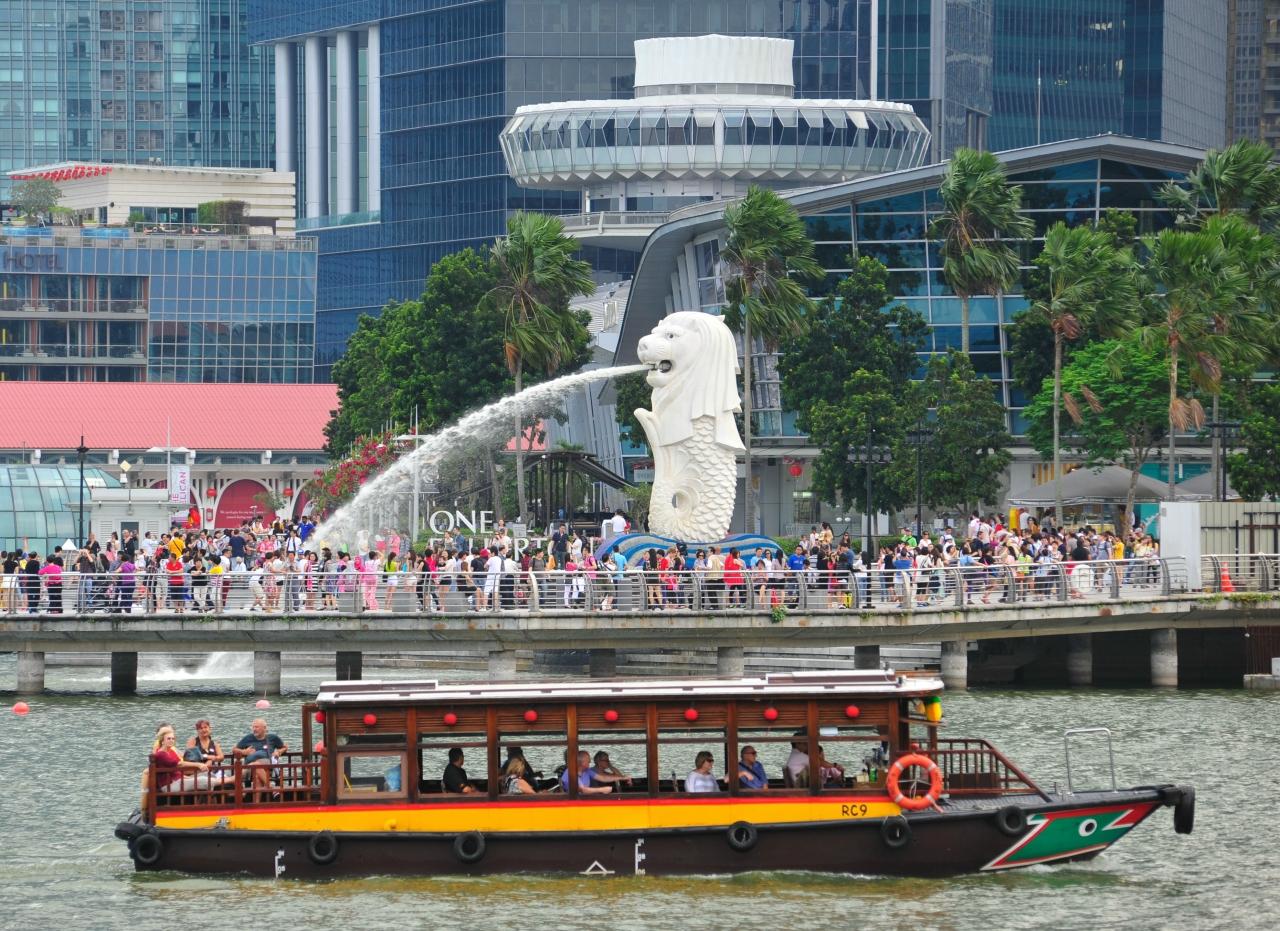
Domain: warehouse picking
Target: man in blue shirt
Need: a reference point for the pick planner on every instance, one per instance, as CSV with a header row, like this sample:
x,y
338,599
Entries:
x,y
260,750
584,776
751,771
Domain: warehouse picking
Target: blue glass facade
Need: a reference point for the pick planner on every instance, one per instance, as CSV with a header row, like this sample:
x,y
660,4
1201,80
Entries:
x,y
104,305
174,81
453,72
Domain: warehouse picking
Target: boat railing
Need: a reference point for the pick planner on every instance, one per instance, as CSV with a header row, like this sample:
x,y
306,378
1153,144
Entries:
x,y
297,778
972,767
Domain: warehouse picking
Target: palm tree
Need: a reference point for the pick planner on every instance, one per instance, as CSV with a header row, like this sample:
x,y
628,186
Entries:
x,y
536,277
1202,315
767,255
1243,178
1089,286
979,206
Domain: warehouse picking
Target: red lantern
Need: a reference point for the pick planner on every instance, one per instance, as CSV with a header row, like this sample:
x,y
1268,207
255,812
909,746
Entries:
x,y
771,714
370,719
611,716
691,714
319,717
450,719
796,470
288,492
530,716
211,493
852,711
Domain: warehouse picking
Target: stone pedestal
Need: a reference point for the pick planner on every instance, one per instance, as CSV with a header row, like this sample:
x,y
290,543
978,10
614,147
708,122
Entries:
x,y
124,673
266,672
1080,659
955,664
30,673
602,664
1164,659
730,661
350,663
502,665
866,657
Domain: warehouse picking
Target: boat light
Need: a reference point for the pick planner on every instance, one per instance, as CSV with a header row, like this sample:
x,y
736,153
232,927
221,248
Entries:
x,y
530,716
691,714
771,714
319,717
611,716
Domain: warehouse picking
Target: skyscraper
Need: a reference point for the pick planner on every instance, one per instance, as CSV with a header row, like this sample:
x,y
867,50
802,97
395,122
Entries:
x,y
172,82
1244,69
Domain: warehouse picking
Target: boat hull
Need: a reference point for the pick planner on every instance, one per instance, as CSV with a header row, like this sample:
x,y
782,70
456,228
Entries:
x,y
955,840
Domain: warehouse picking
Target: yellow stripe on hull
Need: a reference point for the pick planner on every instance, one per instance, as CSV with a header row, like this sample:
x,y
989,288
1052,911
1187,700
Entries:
x,y
532,816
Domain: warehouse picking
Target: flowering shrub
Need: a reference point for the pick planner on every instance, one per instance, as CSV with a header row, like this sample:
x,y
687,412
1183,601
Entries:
x,y
334,486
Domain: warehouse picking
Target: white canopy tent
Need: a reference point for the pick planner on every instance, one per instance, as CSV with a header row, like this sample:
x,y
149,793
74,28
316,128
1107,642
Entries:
x,y
1107,485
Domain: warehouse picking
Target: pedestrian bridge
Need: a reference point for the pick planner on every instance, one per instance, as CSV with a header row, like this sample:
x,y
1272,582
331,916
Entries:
x,y
558,611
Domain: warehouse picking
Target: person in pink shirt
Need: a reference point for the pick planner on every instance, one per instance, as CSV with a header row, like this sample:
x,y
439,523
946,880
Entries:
x,y
51,574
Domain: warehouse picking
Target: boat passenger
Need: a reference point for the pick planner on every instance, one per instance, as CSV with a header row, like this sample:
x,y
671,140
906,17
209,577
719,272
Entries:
x,y
751,771
513,781
604,773
514,752
260,750
700,779
832,774
585,786
174,772
207,749
797,768
455,778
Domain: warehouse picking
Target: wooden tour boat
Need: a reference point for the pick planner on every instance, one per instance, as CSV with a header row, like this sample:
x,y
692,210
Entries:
x,y
368,796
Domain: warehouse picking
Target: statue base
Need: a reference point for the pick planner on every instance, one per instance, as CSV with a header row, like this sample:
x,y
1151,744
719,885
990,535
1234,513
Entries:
x,y
635,545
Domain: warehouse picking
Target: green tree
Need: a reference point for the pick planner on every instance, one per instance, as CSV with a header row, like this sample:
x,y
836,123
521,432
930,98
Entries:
x,y
35,197
766,257
979,213
1199,315
631,391
536,276
964,459
1243,178
1128,416
1088,284
1255,471
856,328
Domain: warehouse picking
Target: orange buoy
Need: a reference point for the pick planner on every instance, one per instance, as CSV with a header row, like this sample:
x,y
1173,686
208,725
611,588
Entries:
x,y
916,802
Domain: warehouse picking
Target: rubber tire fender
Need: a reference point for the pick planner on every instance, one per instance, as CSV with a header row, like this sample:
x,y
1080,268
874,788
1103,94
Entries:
x,y
1184,812
742,836
895,831
322,848
469,847
147,849
1011,820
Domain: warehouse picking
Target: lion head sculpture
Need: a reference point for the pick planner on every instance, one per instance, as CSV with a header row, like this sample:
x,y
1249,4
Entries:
x,y
692,361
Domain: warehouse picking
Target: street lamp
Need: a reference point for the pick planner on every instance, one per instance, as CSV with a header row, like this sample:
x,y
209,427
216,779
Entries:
x,y
1226,432
124,477
81,450
868,456
918,437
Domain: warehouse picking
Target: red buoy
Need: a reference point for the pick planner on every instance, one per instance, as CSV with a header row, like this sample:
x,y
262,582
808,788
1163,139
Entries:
x,y
530,716
691,714
771,714
611,716
20,708
450,719
852,711
262,704
370,719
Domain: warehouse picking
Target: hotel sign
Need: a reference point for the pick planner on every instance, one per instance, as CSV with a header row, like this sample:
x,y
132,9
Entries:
x,y
14,261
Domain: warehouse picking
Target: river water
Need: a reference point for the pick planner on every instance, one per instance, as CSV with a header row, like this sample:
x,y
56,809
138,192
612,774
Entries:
x,y
69,771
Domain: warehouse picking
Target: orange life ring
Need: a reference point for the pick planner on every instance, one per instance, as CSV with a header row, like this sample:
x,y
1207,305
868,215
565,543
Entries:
x,y
916,803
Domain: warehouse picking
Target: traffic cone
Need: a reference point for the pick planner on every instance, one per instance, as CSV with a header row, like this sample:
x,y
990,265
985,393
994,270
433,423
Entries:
x,y
1224,581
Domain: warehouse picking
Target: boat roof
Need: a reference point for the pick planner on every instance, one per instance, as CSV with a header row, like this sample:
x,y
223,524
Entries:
x,y
883,683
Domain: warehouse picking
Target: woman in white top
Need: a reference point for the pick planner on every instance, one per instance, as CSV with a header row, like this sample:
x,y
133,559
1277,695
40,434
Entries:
x,y
701,780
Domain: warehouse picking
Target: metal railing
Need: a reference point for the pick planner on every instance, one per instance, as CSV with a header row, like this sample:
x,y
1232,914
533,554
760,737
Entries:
x,y
150,592
1240,572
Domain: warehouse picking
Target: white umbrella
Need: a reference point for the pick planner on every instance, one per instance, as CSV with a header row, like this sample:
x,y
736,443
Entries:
x,y
1107,485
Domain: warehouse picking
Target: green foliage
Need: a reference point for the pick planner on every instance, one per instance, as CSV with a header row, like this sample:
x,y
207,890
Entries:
x,y
777,614
35,197
979,209
867,403
639,496
854,329
1242,179
632,392
136,217
1255,472
221,212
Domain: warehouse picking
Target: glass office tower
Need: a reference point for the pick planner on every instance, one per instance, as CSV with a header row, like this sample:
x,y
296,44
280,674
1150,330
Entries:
x,y
169,81
390,110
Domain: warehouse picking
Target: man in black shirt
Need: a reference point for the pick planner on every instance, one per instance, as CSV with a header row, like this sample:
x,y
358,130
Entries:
x,y
455,777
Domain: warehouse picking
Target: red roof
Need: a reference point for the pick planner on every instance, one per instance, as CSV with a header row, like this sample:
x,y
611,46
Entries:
x,y
133,415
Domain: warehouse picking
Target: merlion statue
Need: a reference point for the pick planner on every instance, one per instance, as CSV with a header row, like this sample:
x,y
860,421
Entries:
x,y
692,361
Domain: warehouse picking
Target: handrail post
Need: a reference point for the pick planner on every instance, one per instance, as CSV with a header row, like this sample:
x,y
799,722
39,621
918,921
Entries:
x,y
535,594
1115,579
1215,573
695,592
1166,577
958,573
1064,594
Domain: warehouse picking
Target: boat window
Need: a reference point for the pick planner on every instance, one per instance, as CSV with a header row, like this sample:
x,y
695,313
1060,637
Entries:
x,y
369,775
543,752
624,753
433,758
773,746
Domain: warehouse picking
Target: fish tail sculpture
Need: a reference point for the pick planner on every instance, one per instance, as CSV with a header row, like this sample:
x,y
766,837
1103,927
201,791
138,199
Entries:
x,y
692,361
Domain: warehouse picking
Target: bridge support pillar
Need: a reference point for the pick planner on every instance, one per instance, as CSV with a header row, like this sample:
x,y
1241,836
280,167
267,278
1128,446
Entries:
x,y
350,663
955,664
502,665
1080,659
731,661
124,673
30,673
1164,659
866,657
266,672
601,664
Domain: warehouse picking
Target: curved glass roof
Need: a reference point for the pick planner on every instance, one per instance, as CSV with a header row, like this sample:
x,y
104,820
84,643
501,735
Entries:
x,y
39,503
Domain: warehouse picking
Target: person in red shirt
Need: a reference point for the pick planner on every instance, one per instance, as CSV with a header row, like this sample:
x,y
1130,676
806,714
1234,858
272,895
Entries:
x,y
175,570
735,581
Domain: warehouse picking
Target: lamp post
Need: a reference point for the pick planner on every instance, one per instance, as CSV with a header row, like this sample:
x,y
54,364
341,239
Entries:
x,y
1226,432
81,450
124,477
870,455
918,437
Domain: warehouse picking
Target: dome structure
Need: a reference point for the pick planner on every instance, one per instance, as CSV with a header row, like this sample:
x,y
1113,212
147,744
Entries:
x,y
711,115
